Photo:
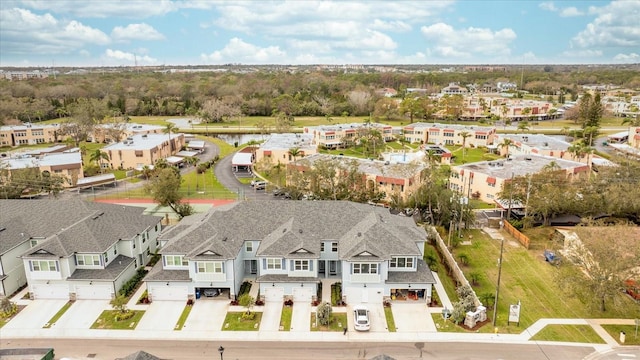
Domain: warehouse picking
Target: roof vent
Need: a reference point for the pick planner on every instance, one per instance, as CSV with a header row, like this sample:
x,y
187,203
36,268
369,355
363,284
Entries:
x,y
224,238
284,230
528,158
300,231
359,234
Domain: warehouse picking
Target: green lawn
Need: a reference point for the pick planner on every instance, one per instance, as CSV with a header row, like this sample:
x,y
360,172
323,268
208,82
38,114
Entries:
x,y
107,321
470,155
526,277
285,318
569,333
58,315
391,324
632,332
234,322
338,323
183,317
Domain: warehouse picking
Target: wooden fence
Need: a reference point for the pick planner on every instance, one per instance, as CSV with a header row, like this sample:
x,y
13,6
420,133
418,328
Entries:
x,y
522,238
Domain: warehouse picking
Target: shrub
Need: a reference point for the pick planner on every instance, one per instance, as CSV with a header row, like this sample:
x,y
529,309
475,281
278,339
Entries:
x,y
324,313
244,288
144,298
259,302
288,302
130,286
190,302
336,294
122,316
248,316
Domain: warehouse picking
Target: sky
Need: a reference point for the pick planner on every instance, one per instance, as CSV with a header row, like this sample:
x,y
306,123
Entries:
x,y
44,33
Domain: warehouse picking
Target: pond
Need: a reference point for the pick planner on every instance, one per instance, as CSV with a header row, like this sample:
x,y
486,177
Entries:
x,y
241,138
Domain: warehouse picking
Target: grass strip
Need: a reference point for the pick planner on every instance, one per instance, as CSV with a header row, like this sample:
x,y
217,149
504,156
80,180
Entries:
x,y
285,318
183,317
58,315
391,324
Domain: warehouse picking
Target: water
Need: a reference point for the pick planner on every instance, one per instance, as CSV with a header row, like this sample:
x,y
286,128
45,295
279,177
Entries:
x,y
241,138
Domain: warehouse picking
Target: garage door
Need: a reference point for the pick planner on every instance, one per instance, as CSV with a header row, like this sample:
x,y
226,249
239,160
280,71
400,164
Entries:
x,y
51,291
301,294
169,293
274,294
95,292
364,295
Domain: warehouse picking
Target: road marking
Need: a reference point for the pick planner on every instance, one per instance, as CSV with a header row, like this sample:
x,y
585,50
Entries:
x,y
627,355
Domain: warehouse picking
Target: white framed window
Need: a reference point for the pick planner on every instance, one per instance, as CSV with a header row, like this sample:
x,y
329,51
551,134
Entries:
x,y
274,264
248,246
212,267
401,262
106,258
365,268
175,260
301,265
334,247
322,247
87,259
44,265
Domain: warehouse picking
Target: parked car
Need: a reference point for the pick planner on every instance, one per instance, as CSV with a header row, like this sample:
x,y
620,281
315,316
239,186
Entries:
x,y
632,288
361,318
211,292
260,185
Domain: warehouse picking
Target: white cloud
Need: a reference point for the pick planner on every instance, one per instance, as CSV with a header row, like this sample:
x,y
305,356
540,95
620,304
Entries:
x,y
446,41
106,9
571,12
24,32
395,25
125,58
238,51
627,58
140,31
548,5
585,54
616,24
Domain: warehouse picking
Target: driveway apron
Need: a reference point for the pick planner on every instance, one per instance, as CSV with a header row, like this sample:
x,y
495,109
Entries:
x,y
412,317
36,314
161,315
271,316
82,314
206,315
301,317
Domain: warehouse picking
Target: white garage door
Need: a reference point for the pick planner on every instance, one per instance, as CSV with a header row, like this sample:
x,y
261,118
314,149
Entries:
x,y
301,294
95,292
364,295
274,294
169,293
51,291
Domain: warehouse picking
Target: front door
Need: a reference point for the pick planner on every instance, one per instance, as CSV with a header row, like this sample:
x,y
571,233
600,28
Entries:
x,y
254,267
333,267
321,267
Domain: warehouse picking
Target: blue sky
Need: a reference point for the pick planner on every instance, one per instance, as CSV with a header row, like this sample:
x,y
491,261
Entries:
x,y
121,33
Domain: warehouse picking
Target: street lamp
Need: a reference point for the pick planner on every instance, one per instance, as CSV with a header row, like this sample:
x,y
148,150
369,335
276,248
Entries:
x,y
221,351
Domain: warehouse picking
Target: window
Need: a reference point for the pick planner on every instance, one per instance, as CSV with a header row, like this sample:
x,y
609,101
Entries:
x,y
106,258
210,267
144,237
401,263
248,246
334,247
44,265
321,247
88,259
34,242
301,265
448,134
365,268
274,264
176,260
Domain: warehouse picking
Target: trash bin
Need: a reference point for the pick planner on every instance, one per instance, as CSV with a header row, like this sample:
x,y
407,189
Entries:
x,y
197,294
623,337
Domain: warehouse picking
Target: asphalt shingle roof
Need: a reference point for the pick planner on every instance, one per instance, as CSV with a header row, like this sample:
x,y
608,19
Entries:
x,y
283,227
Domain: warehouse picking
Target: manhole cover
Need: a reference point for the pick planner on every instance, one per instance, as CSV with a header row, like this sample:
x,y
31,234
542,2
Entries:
x,y
91,356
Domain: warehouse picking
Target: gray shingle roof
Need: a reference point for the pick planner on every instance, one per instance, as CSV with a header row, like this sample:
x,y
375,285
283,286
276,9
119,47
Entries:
x,y
111,272
422,275
69,226
283,227
140,355
157,273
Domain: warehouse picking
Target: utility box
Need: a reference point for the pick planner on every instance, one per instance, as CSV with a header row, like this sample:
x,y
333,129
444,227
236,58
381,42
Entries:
x,y
623,337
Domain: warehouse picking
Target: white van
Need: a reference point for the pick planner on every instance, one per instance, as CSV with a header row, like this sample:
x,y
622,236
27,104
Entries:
x,y
260,185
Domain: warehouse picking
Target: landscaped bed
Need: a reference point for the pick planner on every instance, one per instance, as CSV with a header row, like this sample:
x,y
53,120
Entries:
x,y
234,321
58,315
338,323
183,317
285,318
111,319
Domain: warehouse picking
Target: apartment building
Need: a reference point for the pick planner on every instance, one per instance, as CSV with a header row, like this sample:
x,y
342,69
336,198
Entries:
x,y
66,164
339,135
139,150
449,134
28,134
485,179
277,148
109,133
537,144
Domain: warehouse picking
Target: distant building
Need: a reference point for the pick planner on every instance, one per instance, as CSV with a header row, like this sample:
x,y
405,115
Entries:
x,y
339,135
448,134
485,179
276,149
136,151
109,133
24,75
65,164
391,178
454,89
538,144
28,134
634,137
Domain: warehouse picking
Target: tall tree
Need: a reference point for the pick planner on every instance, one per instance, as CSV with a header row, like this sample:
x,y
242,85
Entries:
x,y
164,186
168,129
464,135
97,156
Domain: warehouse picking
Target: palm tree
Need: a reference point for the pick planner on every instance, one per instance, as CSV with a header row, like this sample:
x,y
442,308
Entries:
x,y
168,128
464,135
97,156
505,145
294,152
523,125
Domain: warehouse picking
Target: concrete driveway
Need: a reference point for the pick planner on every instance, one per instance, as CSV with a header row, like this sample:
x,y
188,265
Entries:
x,y
271,313
161,315
36,314
206,315
301,317
411,317
82,314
